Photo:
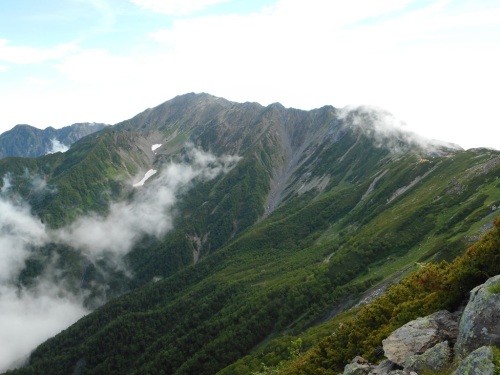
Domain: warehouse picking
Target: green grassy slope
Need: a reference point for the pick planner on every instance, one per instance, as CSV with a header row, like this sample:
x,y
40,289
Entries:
x,y
287,272
314,214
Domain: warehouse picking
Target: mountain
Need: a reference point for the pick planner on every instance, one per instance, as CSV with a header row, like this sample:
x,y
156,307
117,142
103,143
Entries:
x,y
211,232
28,141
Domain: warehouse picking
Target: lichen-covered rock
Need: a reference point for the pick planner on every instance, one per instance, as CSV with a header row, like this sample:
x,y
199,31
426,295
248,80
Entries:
x,y
435,359
383,368
358,366
479,362
479,324
419,335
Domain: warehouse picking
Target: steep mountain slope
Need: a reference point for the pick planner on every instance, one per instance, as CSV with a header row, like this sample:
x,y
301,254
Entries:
x,y
28,141
321,206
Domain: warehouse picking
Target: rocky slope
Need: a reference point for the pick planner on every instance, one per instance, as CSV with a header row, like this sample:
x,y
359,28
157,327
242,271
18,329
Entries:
x,y
466,341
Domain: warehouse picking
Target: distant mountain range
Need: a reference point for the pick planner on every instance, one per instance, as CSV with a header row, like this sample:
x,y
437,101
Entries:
x,y
28,141
213,235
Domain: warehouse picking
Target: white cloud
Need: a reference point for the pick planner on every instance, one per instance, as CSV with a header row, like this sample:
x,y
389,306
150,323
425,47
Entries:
x,y
386,130
432,64
57,147
176,7
28,316
30,55
18,231
151,211
97,67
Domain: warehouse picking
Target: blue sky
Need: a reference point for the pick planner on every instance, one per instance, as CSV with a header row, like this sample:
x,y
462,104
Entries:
x,y
433,63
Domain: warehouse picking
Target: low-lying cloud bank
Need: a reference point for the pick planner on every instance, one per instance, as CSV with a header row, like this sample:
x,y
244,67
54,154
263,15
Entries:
x,y
30,315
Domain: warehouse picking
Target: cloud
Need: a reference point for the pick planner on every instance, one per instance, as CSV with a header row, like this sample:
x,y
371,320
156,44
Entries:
x,y
386,130
150,212
30,55
57,147
27,316
176,7
430,63
19,231
99,67
30,315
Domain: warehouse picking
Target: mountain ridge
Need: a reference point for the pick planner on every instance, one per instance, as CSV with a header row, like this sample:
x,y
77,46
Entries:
x,y
28,141
318,209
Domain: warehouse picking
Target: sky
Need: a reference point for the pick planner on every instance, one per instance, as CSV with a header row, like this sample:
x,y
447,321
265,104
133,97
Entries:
x,y
432,63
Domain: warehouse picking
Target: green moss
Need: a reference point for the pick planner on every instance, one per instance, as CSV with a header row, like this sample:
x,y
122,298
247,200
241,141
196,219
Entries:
x,y
494,289
496,360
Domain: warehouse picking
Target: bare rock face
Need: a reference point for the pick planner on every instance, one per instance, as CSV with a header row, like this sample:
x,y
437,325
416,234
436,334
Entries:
x,y
419,335
479,325
479,362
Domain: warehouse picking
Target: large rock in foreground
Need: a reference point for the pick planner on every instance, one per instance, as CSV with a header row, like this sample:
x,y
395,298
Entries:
x,y
480,322
435,359
479,362
419,335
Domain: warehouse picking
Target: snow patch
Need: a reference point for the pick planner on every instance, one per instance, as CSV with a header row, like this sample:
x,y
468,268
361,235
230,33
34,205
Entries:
x,y
154,147
148,174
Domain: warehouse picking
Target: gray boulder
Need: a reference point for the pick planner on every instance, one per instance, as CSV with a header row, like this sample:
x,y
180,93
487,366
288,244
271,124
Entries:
x,y
419,335
434,359
479,362
480,323
358,366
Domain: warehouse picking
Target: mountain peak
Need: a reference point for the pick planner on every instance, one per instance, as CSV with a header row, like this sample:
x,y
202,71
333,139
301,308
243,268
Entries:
x,y
28,141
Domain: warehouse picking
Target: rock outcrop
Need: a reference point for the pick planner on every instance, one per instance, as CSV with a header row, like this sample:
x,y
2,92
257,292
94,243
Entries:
x,y
480,323
442,340
417,336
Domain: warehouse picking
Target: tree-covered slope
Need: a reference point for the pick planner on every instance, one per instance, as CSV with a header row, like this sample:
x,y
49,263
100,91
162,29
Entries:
x,y
321,206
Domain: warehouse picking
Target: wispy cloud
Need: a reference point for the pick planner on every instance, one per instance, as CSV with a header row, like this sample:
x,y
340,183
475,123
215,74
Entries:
x,y
421,60
176,7
30,315
57,146
27,316
18,231
151,211
385,130
29,55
